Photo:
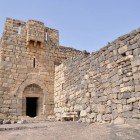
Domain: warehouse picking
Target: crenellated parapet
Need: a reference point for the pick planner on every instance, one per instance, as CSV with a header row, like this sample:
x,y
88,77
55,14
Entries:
x,y
31,33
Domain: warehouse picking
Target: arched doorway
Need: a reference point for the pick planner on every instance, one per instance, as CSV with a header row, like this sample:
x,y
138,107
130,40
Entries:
x,y
32,100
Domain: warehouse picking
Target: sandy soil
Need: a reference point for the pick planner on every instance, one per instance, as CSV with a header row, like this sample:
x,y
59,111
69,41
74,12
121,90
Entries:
x,y
69,131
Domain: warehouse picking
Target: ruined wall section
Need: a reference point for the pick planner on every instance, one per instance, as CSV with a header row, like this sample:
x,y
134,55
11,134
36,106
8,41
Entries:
x,y
104,86
52,36
28,58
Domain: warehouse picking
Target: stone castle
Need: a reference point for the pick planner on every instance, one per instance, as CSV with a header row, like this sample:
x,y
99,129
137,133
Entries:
x,y
40,78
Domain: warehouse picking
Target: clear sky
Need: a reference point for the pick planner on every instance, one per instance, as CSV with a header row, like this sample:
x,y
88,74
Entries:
x,y
83,24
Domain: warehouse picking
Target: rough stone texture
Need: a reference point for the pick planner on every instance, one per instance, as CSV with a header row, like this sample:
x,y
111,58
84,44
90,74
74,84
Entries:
x,y
100,87
119,120
29,52
105,85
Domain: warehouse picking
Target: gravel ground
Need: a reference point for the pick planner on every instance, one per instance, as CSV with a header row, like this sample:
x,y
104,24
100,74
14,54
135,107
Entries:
x,y
69,131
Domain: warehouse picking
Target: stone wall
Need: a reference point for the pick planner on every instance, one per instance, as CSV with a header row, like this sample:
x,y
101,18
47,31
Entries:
x,y
103,86
27,58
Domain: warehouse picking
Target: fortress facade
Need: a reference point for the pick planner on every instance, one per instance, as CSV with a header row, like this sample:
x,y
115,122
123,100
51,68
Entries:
x,y
38,77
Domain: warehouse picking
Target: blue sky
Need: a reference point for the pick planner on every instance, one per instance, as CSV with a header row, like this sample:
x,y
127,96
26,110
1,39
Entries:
x,y
83,24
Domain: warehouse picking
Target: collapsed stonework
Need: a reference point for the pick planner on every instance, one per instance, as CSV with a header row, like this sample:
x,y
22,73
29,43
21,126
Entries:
x,y
38,77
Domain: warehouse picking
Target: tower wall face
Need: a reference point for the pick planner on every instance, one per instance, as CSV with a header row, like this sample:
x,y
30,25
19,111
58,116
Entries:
x,y
28,57
102,87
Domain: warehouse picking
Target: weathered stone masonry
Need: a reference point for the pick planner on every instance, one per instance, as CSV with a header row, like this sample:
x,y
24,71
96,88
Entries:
x,y
103,86
38,77
29,52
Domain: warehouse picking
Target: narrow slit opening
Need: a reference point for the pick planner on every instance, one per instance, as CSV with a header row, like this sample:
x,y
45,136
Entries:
x,y
34,63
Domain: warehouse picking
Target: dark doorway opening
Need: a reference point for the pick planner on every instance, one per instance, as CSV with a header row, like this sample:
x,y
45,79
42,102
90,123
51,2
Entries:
x,y
31,106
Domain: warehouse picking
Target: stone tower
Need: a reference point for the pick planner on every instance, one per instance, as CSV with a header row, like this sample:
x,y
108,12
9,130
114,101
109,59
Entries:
x,y
29,52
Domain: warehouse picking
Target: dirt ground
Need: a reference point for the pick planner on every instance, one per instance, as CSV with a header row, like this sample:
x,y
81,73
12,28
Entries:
x,y
69,131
